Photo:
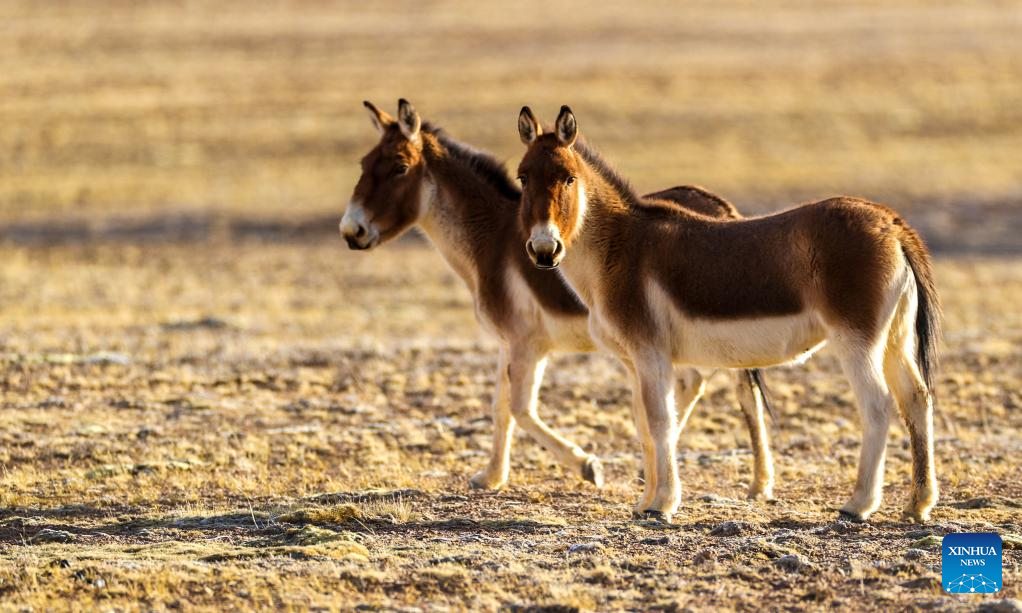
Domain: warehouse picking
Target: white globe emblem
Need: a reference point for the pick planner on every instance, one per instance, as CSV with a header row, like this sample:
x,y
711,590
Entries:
x,y
968,584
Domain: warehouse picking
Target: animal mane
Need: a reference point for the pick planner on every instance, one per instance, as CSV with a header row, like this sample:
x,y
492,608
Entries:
x,y
491,170
602,168
635,202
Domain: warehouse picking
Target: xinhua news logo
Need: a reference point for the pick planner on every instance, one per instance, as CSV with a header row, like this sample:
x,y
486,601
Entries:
x,y
970,563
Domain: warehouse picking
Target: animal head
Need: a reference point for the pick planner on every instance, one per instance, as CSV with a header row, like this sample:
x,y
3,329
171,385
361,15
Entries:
x,y
553,191
387,198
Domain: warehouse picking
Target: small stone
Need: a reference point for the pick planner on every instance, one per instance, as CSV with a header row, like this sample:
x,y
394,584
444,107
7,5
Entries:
x,y
930,541
586,548
728,528
1011,541
663,540
915,554
206,323
928,583
107,357
1005,605
49,535
791,563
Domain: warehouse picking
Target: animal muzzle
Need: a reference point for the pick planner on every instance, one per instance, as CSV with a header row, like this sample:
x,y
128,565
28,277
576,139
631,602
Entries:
x,y
545,251
357,234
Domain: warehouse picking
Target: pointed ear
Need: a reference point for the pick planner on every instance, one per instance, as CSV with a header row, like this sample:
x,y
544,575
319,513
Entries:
x,y
380,119
528,126
408,120
567,128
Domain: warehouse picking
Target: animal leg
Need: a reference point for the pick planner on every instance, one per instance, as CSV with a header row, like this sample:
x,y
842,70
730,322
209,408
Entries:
x,y
753,407
525,372
495,475
689,388
656,394
915,403
864,369
645,443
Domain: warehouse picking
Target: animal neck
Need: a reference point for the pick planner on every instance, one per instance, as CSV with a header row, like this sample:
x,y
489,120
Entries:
x,y
463,202
604,213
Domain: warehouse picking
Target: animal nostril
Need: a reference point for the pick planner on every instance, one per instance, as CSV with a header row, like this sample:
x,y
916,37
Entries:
x,y
530,249
558,248
360,232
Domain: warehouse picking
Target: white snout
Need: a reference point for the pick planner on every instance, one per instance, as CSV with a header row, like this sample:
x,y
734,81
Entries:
x,y
545,237
356,229
544,246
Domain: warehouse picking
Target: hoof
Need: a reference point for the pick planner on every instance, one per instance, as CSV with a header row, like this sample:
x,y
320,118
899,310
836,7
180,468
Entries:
x,y
913,516
592,471
654,515
480,482
765,496
855,518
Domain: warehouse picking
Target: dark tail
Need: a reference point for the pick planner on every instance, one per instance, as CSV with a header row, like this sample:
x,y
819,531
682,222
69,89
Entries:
x,y
756,381
928,311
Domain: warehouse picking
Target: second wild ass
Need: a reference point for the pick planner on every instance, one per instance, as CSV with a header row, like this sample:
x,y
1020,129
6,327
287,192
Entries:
x,y
467,205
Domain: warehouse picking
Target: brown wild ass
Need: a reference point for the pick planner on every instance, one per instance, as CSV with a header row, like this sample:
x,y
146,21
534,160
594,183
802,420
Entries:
x,y
467,205
668,287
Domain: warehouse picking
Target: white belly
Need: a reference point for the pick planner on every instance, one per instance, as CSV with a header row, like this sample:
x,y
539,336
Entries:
x,y
738,343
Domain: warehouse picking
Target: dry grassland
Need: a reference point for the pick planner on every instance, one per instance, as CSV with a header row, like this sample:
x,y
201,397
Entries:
x,y
207,402
293,426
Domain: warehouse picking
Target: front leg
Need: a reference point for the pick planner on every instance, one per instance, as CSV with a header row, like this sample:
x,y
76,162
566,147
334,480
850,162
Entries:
x,y
525,373
606,340
655,391
495,475
645,444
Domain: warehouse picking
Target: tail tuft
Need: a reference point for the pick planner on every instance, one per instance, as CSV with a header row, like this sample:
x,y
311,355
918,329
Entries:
x,y
756,382
928,331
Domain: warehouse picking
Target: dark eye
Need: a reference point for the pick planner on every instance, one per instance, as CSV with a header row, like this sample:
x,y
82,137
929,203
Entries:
x,y
570,180
522,179
400,170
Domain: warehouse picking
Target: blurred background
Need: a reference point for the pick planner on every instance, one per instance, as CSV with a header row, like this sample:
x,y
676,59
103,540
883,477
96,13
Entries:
x,y
163,117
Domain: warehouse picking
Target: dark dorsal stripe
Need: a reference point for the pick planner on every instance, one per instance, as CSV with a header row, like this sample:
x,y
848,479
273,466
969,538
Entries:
x,y
705,203
484,165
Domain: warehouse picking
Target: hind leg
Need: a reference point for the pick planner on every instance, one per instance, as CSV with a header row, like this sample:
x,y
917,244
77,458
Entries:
x,y
864,369
688,389
915,404
753,407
